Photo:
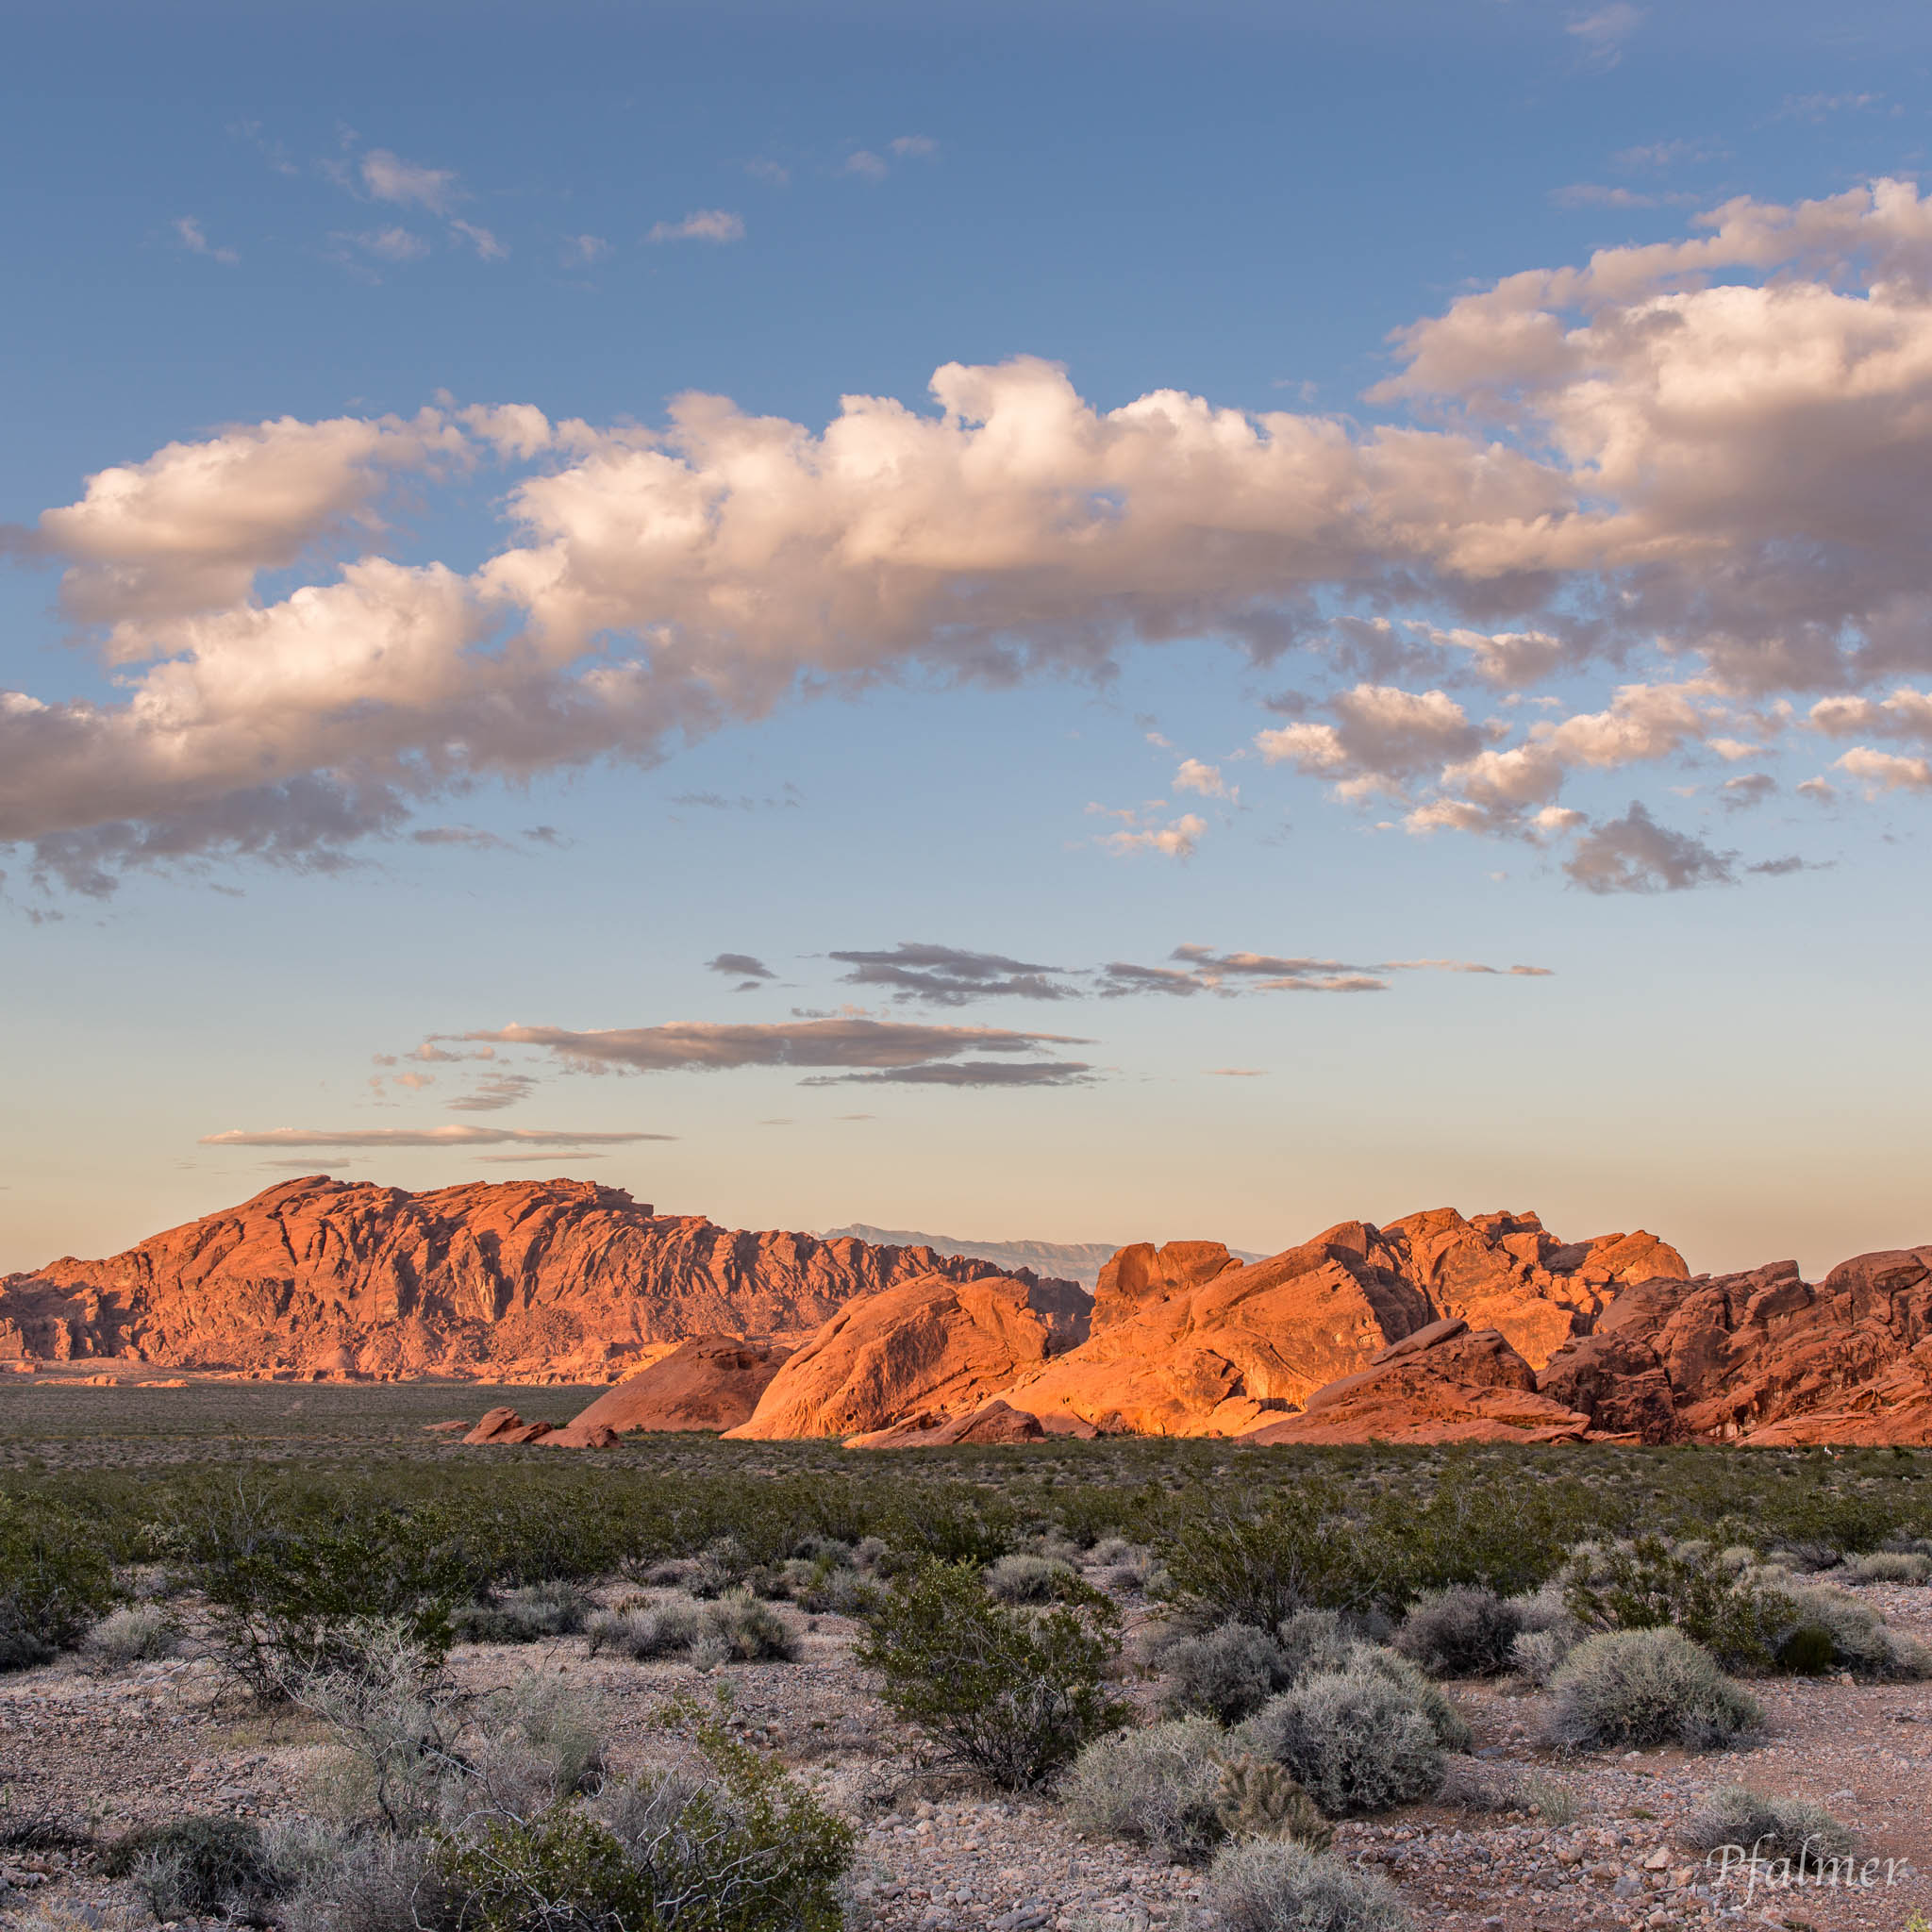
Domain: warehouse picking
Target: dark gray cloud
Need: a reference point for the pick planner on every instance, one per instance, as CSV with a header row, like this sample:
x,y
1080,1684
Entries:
x,y
740,966
952,977
304,825
494,1092
1753,787
471,836
874,1045
1791,862
1635,853
968,1073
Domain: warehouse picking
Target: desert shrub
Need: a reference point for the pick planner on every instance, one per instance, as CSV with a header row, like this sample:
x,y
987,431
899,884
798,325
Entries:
x,y
751,1632
1009,1692
541,1729
134,1634
55,1582
1741,1617
293,1593
844,1590
1539,1654
1292,1553
195,1867
1892,1566
1450,1726
1223,1673
1157,1786
1311,1641
739,1850
1777,1828
1275,1885
1025,1578
525,1614
643,1633
1464,1631
397,1728
736,1629
1861,1640
1257,1798
364,1884
1552,1801
1356,1740
1647,1686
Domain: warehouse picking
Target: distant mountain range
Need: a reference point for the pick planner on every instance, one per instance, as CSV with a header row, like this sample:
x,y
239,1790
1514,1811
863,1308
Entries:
x,y
1079,1261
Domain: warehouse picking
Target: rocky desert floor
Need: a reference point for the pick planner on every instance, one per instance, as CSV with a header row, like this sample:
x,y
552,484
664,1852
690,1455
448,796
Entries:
x,y
108,1749
161,1740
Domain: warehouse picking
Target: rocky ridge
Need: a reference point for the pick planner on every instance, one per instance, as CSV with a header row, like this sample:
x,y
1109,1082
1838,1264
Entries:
x,y
557,1281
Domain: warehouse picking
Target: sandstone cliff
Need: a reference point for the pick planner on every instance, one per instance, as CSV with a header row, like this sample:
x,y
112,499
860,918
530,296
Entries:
x,y
1188,1341
933,1345
1762,1357
556,1279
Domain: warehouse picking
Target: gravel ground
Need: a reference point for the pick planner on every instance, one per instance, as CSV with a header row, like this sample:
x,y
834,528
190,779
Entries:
x,y
161,1740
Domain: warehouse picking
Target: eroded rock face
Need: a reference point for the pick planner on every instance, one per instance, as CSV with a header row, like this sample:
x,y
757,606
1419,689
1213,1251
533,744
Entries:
x,y
1188,1341
709,1382
933,1345
1447,1383
523,1280
1763,1356
992,1422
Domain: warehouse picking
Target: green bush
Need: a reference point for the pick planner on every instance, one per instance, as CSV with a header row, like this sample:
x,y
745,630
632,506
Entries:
x,y
1259,1568
1356,1740
54,1581
134,1634
1011,1693
1159,1787
1892,1566
195,1867
1276,1885
293,1593
1647,1686
1859,1639
1776,1827
1741,1618
1225,1673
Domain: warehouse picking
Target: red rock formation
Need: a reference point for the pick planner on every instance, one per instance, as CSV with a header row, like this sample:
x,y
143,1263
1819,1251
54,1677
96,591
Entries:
x,y
933,1345
560,1280
709,1382
1763,1356
1446,1383
992,1422
507,1425
1188,1342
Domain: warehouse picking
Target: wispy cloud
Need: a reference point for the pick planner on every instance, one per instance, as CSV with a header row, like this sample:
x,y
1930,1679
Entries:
x,y
900,1049
421,1136
486,245
494,1092
583,251
1593,194
866,165
1600,34
952,977
194,238
701,225
388,178
914,146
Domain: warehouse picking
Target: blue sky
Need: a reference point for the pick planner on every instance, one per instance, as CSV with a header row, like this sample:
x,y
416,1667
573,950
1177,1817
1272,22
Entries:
x,y
357,726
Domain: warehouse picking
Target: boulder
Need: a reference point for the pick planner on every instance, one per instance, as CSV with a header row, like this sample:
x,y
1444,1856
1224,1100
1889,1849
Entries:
x,y
992,1422
710,1382
500,1425
1459,1385
933,1345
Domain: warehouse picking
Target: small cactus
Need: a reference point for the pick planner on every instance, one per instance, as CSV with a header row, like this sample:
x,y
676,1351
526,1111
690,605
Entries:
x,y
1258,1799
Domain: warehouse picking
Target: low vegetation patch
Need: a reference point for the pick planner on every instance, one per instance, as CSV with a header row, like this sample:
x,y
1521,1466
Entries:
x,y
1010,1693
1647,1686
1275,1885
